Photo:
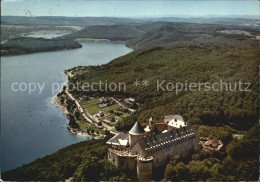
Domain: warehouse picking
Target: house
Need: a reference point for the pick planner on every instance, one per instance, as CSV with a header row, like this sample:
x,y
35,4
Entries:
x,y
175,124
169,118
131,99
212,144
101,114
85,97
102,100
111,119
123,108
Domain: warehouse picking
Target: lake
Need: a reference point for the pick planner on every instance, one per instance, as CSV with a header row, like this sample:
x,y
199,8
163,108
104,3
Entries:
x,y
32,126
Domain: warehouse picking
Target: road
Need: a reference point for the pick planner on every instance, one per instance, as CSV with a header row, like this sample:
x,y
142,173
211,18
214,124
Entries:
x,y
81,110
121,104
79,107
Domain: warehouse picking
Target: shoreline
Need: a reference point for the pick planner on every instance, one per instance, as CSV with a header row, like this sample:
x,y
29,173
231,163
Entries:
x,y
40,51
60,106
73,130
91,40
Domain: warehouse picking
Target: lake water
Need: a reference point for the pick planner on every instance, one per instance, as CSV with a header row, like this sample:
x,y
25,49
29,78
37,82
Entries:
x,y
32,126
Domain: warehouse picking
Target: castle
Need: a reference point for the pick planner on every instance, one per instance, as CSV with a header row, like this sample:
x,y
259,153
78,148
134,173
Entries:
x,y
145,150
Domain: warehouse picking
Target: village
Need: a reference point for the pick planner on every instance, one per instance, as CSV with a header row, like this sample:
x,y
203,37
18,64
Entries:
x,y
96,117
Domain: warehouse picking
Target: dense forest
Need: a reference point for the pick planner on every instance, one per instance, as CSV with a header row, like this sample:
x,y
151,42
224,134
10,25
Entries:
x,y
237,161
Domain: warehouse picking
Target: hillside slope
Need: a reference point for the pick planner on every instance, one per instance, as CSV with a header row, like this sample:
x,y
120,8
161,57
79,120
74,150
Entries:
x,y
24,45
113,32
120,32
181,34
162,33
66,21
184,65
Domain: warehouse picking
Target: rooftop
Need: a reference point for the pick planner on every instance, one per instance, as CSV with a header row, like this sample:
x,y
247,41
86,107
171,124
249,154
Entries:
x,y
168,118
177,123
119,139
137,129
164,140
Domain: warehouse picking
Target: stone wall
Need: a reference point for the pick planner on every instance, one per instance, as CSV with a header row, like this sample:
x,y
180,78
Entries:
x,y
126,162
134,138
162,157
145,169
160,127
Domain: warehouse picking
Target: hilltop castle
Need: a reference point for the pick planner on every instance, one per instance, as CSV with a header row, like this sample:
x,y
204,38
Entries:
x,y
145,150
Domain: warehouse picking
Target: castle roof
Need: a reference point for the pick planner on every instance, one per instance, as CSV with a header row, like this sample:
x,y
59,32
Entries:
x,y
137,129
119,139
168,118
162,141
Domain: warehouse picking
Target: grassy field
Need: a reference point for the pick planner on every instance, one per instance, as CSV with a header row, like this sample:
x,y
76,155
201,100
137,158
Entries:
x,y
92,107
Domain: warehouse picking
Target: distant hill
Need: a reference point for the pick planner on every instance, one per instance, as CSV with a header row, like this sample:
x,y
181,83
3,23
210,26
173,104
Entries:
x,y
147,35
112,32
66,21
181,34
120,32
24,45
249,21
90,21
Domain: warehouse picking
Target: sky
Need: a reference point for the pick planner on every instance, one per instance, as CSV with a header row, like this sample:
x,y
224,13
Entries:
x,y
132,8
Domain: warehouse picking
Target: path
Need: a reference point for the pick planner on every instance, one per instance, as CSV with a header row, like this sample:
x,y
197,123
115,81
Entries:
x,y
121,104
109,128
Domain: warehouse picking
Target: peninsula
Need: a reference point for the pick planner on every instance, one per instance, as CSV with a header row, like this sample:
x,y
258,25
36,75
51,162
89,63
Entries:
x,y
24,45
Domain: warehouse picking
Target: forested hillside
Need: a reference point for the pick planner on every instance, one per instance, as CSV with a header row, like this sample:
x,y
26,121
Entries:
x,y
183,34
199,64
237,161
22,45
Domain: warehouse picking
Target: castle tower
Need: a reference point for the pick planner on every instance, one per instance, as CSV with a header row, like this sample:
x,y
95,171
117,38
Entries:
x,y
136,134
145,168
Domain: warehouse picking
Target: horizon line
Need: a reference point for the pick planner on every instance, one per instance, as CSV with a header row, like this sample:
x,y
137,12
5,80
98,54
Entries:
x,y
144,16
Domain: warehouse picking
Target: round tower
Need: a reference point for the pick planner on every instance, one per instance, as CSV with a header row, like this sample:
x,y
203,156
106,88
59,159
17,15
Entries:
x,y
145,168
136,134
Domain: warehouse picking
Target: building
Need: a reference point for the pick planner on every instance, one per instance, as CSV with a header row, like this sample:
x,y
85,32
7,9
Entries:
x,y
176,122
144,152
101,114
213,144
102,100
